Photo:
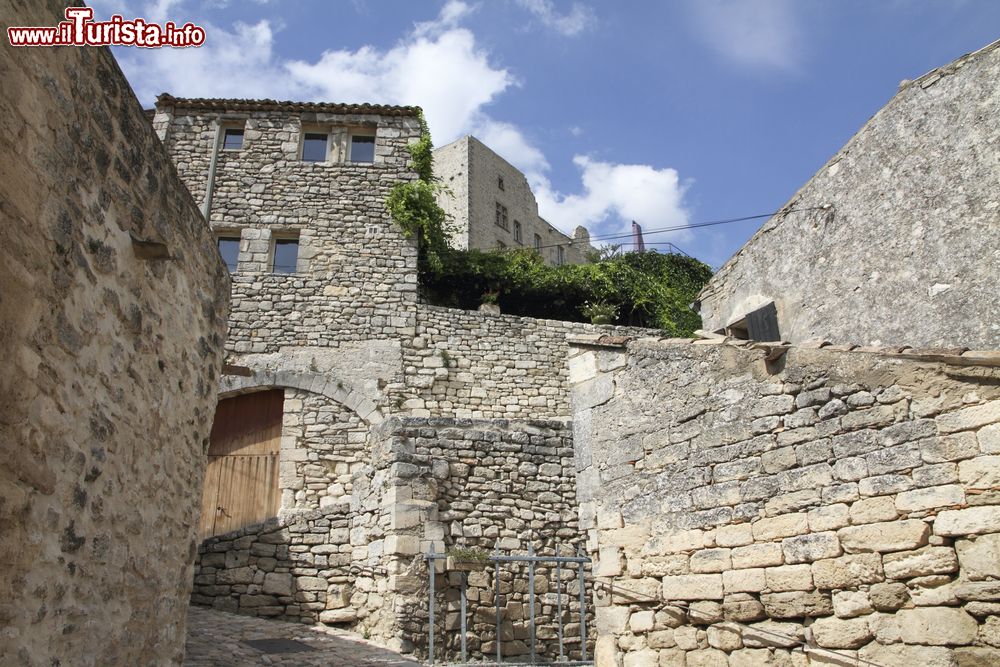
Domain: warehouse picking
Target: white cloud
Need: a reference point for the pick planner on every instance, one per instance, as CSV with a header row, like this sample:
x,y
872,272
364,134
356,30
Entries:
x,y
616,194
579,18
752,33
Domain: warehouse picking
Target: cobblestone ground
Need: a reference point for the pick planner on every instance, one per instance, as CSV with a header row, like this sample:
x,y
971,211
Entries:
x,y
216,639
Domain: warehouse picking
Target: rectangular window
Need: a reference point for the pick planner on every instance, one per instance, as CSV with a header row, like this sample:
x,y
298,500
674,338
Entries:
x,y
286,255
233,140
517,231
362,148
500,182
501,220
560,256
538,242
229,248
314,147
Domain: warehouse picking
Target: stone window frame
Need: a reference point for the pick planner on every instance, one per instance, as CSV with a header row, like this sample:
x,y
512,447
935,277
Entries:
x,y
360,131
230,233
517,232
234,125
501,217
500,183
312,128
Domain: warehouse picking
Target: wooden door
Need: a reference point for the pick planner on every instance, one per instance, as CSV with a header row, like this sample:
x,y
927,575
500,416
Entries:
x,y
241,480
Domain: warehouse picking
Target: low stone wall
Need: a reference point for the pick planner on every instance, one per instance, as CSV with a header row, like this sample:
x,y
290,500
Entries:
x,y
824,507
113,301
469,484
469,364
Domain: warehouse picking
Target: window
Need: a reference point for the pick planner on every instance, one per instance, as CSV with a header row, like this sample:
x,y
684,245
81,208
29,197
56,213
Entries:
x,y
362,148
500,182
517,231
501,245
560,255
229,248
314,147
501,216
538,242
233,139
286,255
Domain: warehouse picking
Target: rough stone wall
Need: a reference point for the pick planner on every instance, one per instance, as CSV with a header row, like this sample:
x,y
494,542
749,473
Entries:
x,y
909,238
470,364
826,507
468,484
471,171
110,361
356,276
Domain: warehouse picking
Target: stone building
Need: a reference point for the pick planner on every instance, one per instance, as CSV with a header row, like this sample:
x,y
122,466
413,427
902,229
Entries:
x,y
492,206
896,239
113,305
357,427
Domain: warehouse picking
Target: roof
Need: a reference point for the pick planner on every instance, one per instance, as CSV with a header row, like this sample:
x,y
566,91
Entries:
x,y
224,104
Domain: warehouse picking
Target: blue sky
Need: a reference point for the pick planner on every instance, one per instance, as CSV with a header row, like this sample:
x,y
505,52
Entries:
x,y
668,113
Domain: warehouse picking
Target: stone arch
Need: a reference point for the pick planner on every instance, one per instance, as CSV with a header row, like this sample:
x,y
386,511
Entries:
x,y
341,391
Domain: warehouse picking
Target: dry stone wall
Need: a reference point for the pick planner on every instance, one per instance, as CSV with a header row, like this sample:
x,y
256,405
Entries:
x,y
111,359
470,364
471,485
824,507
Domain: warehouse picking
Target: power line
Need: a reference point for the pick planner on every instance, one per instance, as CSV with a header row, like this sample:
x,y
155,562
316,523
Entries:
x,y
675,228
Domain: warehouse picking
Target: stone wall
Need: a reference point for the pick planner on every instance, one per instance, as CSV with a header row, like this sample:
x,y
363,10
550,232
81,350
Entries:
x,y
909,236
356,276
469,364
823,507
111,354
473,485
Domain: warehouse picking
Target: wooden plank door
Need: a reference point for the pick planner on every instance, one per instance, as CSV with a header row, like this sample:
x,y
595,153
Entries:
x,y
241,479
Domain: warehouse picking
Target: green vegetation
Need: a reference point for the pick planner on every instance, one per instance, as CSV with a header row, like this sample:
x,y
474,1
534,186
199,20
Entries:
x,y
639,289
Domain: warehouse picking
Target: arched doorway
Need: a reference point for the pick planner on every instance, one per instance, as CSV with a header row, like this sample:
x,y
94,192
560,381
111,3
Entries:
x,y
241,479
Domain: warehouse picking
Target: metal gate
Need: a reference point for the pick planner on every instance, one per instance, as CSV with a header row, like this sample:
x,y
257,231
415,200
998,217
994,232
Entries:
x,y
531,560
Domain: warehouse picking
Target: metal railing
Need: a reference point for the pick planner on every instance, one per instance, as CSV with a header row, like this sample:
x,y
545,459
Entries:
x,y
531,559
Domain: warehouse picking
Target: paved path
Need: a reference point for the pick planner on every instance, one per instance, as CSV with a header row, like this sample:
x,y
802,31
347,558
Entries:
x,y
216,639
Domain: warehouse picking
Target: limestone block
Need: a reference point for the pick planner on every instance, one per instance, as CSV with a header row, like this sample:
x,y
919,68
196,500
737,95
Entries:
x,y
919,563
888,596
873,510
743,608
847,571
841,633
830,517
644,658
969,418
693,587
736,535
789,578
709,657
751,657
278,584
609,562
977,656
758,555
883,537
686,637
786,525
641,621
661,639
952,447
937,590
611,620
933,497
311,584
989,439
849,604
979,558
672,657
936,626
989,632
811,547
705,612
710,560
982,472
725,636
751,580
797,604
988,591
971,521
900,654
773,633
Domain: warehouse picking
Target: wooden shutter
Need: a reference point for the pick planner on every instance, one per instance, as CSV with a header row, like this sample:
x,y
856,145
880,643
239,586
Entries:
x,y
241,479
762,324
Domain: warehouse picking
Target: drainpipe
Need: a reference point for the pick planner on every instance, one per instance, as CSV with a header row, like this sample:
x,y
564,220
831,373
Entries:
x,y
206,206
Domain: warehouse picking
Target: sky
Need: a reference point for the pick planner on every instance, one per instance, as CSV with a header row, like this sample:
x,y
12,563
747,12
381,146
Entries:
x,y
669,113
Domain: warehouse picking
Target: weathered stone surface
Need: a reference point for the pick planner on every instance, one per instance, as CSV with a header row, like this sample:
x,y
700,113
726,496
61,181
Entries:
x,y
884,537
757,555
937,626
808,548
773,633
789,578
693,587
979,558
710,560
982,472
933,497
969,418
929,560
781,526
750,580
873,510
849,604
841,633
847,571
796,604
743,608
971,521
888,596
900,654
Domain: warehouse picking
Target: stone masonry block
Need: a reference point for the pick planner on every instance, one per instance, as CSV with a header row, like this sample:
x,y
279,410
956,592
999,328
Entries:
x,y
789,578
849,604
757,555
969,418
982,472
752,580
693,587
710,560
785,525
936,626
847,571
797,604
841,633
970,521
933,497
979,558
919,563
883,537
812,547
829,517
